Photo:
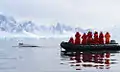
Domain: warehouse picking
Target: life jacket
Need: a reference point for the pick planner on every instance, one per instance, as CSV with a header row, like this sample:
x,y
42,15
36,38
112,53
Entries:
x,y
107,38
71,40
84,39
77,38
101,38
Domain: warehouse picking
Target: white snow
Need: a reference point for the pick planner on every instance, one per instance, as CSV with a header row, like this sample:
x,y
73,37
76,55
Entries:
x,y
9,27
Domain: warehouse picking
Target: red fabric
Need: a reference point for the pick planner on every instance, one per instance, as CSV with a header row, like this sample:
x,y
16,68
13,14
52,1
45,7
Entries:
x,y
77,35
77,38
92,41
90,34
84,39
96,39
89,38
71,40
107,38
101,38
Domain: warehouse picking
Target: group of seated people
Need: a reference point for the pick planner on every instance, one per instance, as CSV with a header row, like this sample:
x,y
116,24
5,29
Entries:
x,y
89,38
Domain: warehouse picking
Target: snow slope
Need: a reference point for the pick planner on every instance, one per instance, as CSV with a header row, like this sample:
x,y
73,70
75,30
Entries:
x,y
9,27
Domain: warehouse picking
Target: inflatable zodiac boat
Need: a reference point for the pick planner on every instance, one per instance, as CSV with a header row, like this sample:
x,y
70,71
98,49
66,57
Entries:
x,y
90,47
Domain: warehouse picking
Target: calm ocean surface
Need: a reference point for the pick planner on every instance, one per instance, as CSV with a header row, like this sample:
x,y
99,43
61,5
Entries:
x,y
49,58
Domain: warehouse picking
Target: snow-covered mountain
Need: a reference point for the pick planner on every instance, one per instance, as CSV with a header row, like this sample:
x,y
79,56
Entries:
x,y
7,24
10,25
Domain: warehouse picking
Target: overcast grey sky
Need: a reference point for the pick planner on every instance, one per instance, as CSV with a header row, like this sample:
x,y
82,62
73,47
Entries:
x,y
82,13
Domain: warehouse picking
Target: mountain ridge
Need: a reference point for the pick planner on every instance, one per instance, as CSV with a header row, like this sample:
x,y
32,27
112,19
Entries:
x,y
10,25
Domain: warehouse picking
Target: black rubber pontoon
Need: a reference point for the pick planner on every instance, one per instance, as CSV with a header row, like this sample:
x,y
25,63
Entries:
x,y
91,47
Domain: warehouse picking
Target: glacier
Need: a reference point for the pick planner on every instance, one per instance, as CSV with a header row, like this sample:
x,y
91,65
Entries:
x,y
9,27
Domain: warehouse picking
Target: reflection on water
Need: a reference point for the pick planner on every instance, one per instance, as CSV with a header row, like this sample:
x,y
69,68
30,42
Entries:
x,y
7,62
50,59
79,60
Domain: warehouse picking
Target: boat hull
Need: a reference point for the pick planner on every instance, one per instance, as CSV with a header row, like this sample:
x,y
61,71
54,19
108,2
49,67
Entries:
x,y
92,47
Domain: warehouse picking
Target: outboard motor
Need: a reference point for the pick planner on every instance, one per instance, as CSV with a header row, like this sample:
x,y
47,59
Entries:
x,y
113,42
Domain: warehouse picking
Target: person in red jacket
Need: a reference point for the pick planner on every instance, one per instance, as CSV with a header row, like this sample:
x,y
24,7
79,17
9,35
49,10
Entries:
x,y
71,40
107,38
84,39
77,38
89,37
101,38
96,39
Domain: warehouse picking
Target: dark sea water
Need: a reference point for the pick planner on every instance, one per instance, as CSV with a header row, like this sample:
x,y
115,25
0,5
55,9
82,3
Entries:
x,y
49,58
